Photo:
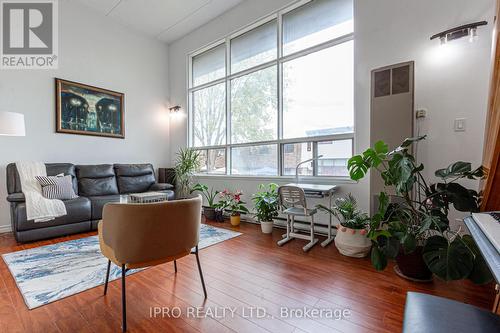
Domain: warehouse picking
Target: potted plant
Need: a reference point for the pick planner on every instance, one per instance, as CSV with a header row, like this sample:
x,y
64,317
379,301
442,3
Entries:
x,y
413,227
266,206
187,163
210,195
351,237
231,202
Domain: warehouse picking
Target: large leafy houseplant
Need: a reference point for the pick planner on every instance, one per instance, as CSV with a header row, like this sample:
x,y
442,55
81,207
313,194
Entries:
x,y
266,202
186,164
266,206
417,216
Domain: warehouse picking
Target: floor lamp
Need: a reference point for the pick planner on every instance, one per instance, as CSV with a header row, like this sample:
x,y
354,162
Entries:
x,y
12,124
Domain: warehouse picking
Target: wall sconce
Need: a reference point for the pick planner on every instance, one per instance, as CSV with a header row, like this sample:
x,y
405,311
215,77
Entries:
x,y
459,32
175,110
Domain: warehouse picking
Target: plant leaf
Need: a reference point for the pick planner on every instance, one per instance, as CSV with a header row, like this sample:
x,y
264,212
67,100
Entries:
x,y
463,200
409,243
357,167
375,156
408,141
457,169
448,260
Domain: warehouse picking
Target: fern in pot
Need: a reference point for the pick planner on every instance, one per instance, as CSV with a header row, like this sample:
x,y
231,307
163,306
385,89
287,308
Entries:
x,y
266,206
351,237
412,224
186,164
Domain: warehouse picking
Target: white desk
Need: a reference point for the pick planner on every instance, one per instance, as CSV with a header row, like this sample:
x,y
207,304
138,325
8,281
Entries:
x,y
320,191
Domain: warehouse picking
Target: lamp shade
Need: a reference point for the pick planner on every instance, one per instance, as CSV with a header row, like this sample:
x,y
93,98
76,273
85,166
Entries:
x,y
12,124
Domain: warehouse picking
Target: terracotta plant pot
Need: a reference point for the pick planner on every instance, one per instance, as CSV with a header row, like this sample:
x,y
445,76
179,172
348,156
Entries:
x,y
235,220
209,213
412,265
352,242
266,226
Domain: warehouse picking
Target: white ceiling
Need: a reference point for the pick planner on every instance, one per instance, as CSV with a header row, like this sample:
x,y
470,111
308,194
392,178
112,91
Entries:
x,y
166,20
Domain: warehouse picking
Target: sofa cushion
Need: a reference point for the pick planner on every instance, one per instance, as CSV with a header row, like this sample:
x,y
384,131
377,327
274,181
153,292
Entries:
x,y
57,187
98,203
54,169
78,210
96,180
134,178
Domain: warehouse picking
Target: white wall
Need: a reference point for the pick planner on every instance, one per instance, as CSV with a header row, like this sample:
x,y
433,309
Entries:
x,y
95,51
452,85
451,81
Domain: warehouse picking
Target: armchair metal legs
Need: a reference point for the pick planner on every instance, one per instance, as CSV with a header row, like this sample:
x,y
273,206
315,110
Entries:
x,y
201,273
124,301
124,271
107,278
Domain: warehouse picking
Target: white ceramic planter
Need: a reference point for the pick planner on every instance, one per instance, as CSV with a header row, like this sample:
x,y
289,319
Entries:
x,y
266,226
352,242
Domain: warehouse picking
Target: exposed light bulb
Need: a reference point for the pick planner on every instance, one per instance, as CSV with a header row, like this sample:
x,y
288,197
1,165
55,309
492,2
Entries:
x,y
443,40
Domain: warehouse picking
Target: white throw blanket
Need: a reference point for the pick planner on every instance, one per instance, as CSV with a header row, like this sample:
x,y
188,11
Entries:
x,y
38,207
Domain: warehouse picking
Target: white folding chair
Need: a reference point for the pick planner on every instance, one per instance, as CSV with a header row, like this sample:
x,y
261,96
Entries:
x,y
292,200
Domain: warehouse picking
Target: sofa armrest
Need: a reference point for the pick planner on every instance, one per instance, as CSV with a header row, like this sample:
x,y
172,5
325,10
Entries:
x,y
16,197
161,187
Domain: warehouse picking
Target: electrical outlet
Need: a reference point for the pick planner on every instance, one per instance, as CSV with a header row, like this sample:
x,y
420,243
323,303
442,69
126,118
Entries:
x,y
459,125
421,113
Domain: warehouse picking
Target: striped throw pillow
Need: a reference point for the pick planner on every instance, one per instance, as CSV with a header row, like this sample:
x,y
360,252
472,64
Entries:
x,y
57,187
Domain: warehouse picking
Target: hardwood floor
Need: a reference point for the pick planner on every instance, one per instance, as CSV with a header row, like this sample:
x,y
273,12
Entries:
x,y
246,272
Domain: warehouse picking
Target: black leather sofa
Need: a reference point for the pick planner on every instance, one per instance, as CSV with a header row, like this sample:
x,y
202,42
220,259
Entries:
x,y
95,185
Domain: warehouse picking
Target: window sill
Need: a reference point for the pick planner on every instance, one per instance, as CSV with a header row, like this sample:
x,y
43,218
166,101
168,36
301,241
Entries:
x,y
281,179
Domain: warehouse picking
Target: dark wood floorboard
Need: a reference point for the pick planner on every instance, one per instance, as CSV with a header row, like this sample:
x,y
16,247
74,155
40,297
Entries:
x,y
247,272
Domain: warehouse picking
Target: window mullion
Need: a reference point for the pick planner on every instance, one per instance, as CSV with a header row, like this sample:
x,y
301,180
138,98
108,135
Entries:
x,y
228,105
280,94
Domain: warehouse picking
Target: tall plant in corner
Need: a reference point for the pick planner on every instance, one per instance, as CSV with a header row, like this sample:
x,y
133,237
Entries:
x,y
186,164
415,224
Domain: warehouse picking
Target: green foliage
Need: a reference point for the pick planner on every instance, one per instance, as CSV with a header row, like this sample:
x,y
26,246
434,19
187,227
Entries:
x,y
418,215
449,259
345,209
209,193
266,202
186,164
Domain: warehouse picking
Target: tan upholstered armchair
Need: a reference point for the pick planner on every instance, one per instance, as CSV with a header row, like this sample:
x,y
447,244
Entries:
x,y
142,235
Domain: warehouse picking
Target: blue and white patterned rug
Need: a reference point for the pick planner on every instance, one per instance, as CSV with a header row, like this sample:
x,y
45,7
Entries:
x,y
48,273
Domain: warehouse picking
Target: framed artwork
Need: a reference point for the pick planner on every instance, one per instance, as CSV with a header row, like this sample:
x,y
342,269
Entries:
x,y
88,110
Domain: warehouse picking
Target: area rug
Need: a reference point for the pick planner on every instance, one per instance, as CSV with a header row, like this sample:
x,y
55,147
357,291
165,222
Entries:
x,y
48,273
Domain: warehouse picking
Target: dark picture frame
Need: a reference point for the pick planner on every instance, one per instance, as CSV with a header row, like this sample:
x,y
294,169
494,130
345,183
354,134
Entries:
x,y
87,110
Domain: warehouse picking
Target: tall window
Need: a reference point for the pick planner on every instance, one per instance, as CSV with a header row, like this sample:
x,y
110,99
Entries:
x,y
277,93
